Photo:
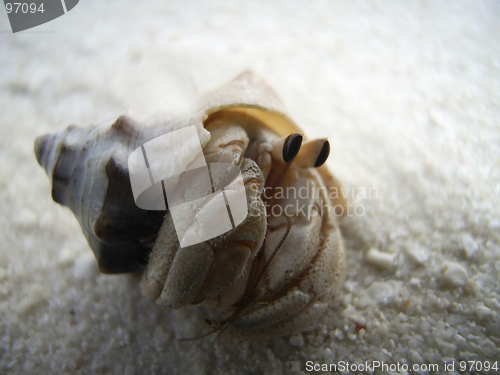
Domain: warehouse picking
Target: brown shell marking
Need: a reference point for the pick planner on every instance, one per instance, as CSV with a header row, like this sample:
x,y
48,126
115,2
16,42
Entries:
x,y
120,234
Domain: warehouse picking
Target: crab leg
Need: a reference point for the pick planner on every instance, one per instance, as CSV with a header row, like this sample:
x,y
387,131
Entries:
x,y
292,303
295,310
186,276
181,276
292,322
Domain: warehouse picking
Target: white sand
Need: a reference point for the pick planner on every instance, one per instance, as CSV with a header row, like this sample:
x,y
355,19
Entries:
x,y
409,96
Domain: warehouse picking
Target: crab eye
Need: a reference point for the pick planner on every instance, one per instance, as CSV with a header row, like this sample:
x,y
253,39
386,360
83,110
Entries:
x,y
292,146
323,154
286,148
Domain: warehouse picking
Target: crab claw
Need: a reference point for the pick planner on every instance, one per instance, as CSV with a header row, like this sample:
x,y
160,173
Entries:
x,y
313,154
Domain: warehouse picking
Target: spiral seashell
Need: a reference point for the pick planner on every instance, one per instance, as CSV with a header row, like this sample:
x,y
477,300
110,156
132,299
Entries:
x,y
88,170
89,174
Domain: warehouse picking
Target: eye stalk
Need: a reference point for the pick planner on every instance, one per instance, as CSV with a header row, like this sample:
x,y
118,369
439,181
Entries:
x,y
313,154
285,149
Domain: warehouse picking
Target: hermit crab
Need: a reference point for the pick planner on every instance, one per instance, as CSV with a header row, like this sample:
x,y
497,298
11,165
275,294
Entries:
x,y
274,272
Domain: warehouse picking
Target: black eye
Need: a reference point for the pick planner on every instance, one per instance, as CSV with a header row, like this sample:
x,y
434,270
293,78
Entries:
x,y
323,155
292,146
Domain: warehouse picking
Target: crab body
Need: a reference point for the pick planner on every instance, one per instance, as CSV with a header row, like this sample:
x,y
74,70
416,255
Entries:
x,y
274,273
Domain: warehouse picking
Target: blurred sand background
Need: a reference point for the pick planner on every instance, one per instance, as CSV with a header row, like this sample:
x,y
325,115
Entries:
x,y
408,94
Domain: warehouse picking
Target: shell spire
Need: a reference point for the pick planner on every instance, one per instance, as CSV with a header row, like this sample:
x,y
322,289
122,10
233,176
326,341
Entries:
x,y
89,174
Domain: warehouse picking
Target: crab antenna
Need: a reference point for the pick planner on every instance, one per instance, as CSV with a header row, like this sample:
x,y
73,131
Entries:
x,y
286,148
313,154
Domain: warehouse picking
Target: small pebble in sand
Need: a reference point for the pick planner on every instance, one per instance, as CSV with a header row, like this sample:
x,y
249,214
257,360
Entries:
x,y
454,275
297,340
417,254
469,245
379,258
483,312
